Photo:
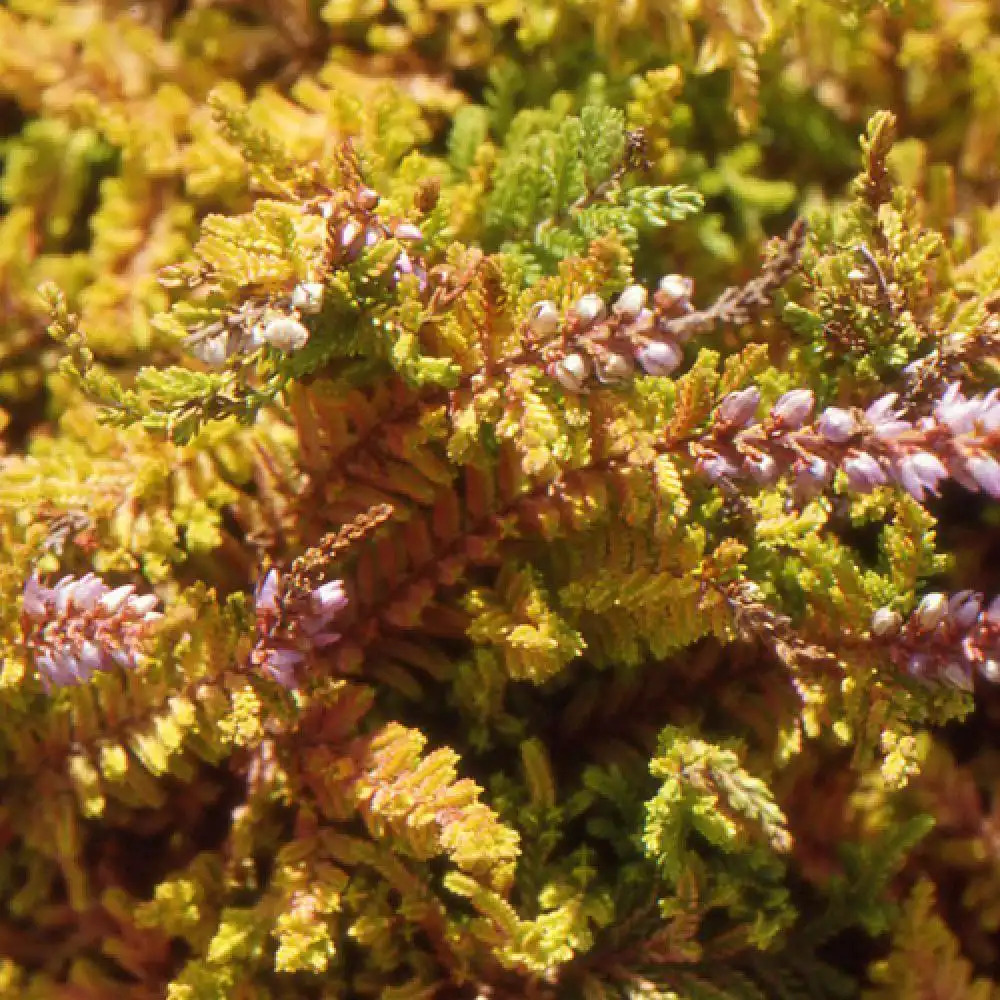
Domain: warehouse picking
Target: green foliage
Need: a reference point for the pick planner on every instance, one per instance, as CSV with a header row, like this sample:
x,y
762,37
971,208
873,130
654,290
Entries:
x,y
559,182
707,797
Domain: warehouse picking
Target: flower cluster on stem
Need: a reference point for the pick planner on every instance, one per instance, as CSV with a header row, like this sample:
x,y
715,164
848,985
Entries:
x,y
959,440
352,227
601,346
947,639
290,626
81,626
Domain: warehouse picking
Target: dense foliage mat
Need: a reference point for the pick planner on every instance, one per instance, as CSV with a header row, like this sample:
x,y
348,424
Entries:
x,y
499,499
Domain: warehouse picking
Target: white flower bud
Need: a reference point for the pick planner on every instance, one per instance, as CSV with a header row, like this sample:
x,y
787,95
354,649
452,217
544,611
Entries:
x,y
931,611
675,288
283,333
856,275
543,319
885,622
589,308
613,368
212,350
307,297
571,373
631,302
660,357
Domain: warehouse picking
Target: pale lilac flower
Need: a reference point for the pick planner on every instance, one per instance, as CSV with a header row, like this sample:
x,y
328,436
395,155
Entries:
x,y
351,237
675,289
920,471
35,596
863,472
267,593
989,417
985,472
794,408
990,670
80,626
764,469
957,412
613,368
837,425
405,265
543,319
281,665
307,297
290,628
811,475
285,333
328,599
882,409
964,608
738,408
643,322
571,372
885,421
715,467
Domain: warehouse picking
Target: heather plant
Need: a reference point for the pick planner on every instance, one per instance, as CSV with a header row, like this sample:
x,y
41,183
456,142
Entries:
x,y
490,508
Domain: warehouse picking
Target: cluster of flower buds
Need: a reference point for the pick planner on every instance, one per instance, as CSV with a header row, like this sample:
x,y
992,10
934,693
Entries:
x,y
872,447
290,627
252,325
354,228
80,626
608,344
945,639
